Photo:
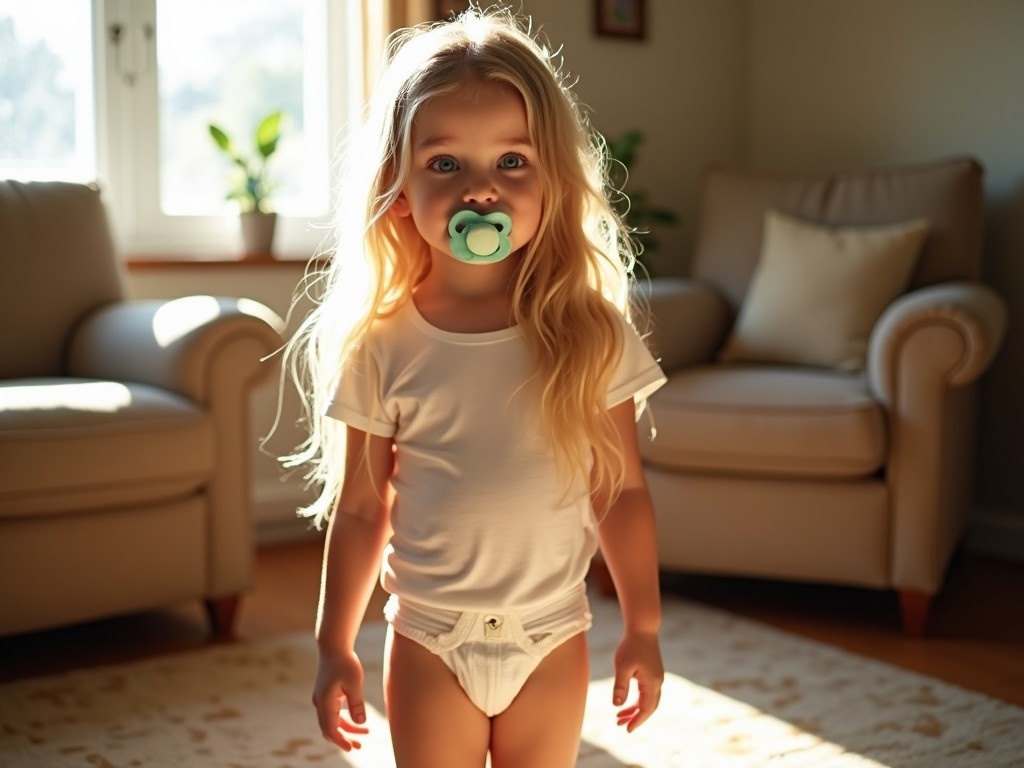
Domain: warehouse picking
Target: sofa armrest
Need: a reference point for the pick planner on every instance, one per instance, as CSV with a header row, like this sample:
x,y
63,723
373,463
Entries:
x,y
969,314
173,344
689,320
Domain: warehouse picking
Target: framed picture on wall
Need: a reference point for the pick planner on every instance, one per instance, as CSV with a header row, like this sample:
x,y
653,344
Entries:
x,y
620,18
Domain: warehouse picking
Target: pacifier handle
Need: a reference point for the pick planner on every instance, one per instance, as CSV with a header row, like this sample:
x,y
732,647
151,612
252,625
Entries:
x,y
480,238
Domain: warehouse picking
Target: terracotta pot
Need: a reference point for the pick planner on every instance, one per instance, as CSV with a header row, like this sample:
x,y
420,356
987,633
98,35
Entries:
x,y
258,232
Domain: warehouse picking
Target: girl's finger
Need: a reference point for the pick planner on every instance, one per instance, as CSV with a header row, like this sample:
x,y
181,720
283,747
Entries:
x,y
349,727
628,711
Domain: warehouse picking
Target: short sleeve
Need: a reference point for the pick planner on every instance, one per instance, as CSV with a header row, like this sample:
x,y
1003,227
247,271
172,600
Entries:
x,y
638,374
358,400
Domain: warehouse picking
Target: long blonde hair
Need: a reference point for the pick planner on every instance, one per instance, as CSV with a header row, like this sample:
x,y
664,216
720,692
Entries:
x,y
572,281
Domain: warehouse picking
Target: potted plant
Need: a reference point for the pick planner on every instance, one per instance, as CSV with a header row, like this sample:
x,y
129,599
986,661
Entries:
x,y
632,205
253,187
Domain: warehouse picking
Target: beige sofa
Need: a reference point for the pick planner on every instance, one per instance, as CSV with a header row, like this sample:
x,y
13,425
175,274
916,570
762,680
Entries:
x,y
766,465
124,433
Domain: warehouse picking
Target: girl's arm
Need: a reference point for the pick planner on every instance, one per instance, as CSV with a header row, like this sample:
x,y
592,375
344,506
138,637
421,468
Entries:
x,y
627,535
356,536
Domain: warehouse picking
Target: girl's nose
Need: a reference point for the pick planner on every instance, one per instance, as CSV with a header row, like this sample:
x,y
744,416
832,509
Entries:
x,y
480,189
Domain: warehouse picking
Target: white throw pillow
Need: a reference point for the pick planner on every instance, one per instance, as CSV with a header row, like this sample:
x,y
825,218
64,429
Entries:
x,y
817,291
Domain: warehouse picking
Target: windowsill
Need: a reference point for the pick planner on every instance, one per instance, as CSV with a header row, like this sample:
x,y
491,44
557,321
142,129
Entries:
x,y
138,262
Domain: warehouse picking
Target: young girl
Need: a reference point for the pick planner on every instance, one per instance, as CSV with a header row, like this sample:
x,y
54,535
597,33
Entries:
x,y
474,341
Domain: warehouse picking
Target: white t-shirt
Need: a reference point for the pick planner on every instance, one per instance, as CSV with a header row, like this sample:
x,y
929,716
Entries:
x,y
482,519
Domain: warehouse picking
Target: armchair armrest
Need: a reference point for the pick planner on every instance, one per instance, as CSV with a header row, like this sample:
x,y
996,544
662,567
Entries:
x,y
209,350
174,344
970,312
924,352
689,318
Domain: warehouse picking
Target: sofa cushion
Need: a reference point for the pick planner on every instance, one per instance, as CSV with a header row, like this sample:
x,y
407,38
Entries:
x,y
73,444
818,291
767,420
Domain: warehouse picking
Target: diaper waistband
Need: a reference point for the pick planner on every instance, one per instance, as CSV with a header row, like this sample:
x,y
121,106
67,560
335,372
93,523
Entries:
x,y
441,630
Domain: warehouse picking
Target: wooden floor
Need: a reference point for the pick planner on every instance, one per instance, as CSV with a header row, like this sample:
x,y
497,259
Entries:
x,y
976,637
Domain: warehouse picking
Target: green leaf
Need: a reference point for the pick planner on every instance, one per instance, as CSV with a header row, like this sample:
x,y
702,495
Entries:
x,y
268,133
632,205
221,138
625,147
664,216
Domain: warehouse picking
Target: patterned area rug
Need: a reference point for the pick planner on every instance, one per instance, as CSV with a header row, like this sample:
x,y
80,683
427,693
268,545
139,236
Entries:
x,y
738,695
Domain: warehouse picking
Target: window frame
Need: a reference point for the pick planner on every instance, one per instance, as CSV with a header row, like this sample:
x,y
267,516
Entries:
x,y
127,139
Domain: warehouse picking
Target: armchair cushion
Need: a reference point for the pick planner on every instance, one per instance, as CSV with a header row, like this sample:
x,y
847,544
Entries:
x,y
51,228
734,200
75,445
689,320
767,420
817,291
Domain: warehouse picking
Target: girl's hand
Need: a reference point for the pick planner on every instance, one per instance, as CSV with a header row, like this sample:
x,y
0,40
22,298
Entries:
x,y
339,683
638,657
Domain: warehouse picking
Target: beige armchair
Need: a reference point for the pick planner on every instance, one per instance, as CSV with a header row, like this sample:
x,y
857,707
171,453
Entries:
x,y
779,457
124,433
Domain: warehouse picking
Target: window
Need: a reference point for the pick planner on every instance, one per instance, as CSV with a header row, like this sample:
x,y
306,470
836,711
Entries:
x,y
47,106
123,91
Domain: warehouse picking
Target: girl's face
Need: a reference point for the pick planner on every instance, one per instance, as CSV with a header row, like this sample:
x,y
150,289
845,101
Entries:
x,y
472,150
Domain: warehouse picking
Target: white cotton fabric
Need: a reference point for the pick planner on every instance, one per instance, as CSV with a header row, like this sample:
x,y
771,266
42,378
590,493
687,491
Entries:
x,y
482,517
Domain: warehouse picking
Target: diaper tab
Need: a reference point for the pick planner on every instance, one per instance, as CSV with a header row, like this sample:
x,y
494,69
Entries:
x,y
494,627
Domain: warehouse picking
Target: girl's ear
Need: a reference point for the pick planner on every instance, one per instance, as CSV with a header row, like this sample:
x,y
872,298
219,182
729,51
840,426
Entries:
x,y
401,206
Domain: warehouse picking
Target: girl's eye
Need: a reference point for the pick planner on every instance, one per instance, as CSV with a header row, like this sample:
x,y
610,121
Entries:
x,y
444,164
512,161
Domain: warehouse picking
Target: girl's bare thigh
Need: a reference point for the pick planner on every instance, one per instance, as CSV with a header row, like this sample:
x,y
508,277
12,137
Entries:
x,y
541,728
433,722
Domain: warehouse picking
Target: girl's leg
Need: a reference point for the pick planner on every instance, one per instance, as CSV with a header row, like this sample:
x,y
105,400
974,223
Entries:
x,y
433,722
541,728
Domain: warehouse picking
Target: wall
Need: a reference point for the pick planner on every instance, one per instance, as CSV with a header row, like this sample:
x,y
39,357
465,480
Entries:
x,y
683,87
849,82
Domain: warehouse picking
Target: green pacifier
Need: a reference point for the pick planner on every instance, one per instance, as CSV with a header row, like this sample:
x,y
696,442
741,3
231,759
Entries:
x,y
480,238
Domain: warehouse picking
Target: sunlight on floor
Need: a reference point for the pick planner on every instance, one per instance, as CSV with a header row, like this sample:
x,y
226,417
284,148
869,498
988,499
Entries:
x,y
376,751
720,732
